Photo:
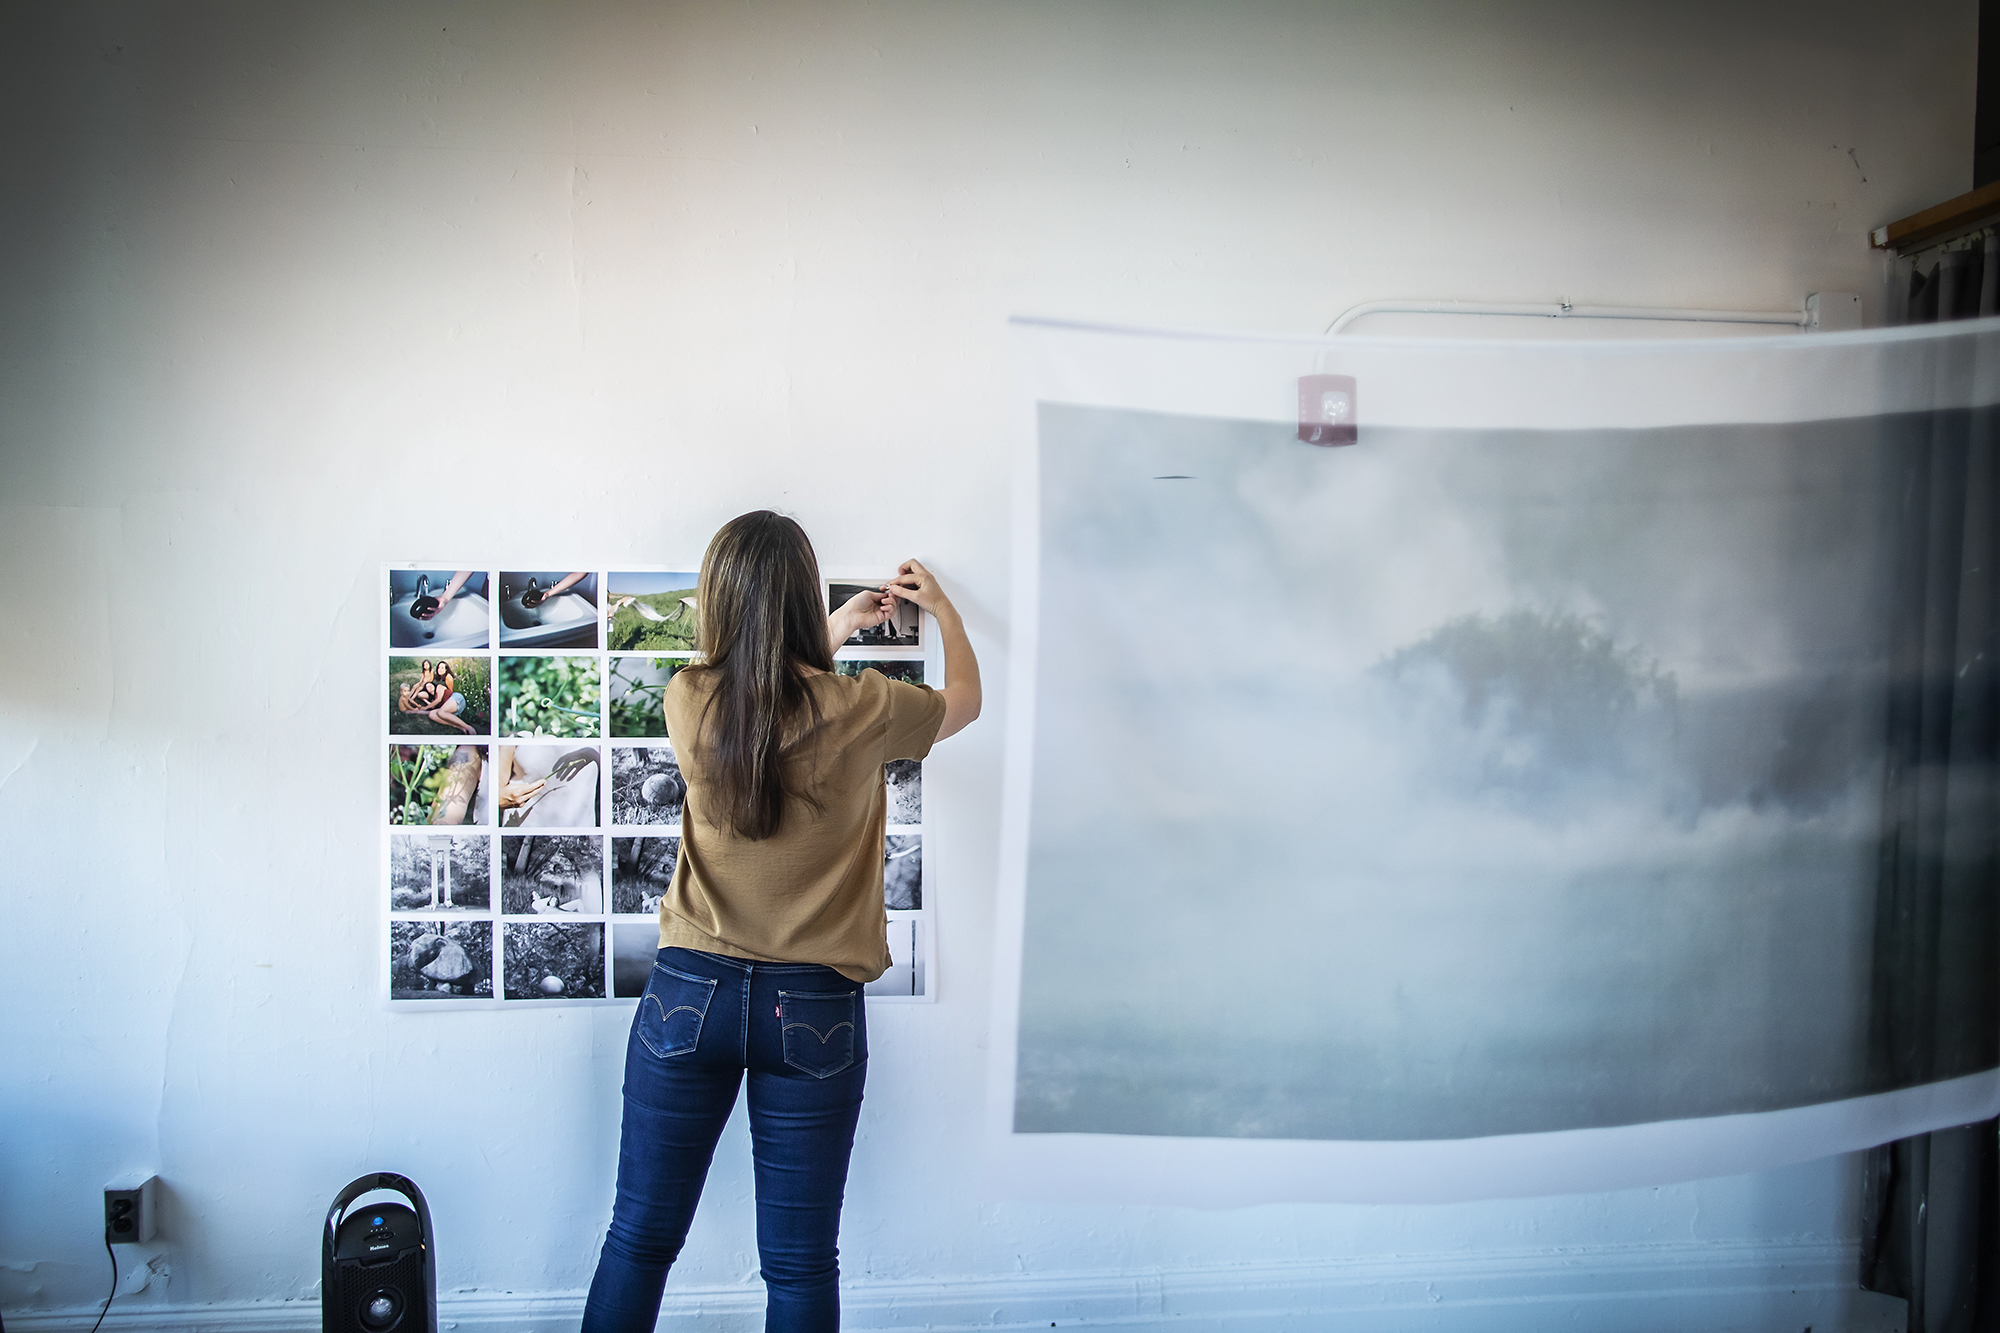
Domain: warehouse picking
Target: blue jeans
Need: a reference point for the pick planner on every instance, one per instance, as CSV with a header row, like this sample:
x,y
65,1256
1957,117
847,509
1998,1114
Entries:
x,y
801,1032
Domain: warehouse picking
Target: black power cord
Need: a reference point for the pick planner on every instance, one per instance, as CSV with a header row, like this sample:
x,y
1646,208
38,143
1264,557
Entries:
x,y
114,1283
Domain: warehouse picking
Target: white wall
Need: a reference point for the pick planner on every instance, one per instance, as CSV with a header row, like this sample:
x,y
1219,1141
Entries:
x,y
290,290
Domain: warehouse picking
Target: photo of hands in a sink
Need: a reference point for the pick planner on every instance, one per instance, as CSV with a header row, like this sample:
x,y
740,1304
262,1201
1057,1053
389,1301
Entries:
x,y
438,609
548,608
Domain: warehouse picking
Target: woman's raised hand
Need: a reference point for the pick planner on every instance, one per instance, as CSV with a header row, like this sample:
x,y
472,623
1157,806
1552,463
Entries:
x,y
913,583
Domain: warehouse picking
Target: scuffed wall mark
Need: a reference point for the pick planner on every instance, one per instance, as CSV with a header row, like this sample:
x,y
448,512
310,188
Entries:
x,y
578,181
335,630
18,764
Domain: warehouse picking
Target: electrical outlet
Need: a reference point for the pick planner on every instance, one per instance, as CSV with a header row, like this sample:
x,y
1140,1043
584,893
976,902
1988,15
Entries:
x,y
130,1206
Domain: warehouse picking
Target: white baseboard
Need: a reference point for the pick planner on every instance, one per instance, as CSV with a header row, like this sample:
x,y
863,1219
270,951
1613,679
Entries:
x,y
1674,1288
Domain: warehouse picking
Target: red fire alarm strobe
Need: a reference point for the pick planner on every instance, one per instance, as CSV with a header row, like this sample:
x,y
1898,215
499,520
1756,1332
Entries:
x,y
1326,409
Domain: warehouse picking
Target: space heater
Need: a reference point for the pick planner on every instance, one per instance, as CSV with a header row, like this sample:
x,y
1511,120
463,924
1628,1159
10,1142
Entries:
x,y
377,1265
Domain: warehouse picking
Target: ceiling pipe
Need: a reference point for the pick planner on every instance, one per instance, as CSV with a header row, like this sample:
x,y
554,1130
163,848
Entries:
x,y
1564,310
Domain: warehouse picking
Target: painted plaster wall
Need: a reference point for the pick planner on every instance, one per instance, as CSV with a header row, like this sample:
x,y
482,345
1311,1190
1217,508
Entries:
x,y
292,290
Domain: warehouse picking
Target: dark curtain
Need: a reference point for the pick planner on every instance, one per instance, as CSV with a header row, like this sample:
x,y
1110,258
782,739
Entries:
x,y
1931,1219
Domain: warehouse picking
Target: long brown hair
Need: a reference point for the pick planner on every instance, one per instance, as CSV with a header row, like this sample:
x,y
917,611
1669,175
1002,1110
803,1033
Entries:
x,y
763,626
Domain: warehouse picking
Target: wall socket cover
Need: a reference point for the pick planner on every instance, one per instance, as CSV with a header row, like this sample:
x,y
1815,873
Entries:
x,y
131,1209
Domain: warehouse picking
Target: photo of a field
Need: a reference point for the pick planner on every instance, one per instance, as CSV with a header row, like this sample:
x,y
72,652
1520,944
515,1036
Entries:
x,y
652,613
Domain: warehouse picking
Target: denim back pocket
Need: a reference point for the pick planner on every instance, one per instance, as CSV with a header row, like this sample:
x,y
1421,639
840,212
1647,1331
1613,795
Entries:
x,y
818,1030
671,1011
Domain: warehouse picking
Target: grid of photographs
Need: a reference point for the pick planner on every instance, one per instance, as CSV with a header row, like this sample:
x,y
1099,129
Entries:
x,y
534,800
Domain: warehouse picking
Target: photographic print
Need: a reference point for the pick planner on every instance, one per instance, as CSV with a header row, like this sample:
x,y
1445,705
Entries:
x,y
638,687
440,872
440,696
438,610
633,949
641,871
646,786
905,778
549,873
437,784
909,669
899,631
549,786
548,608
904,977
552,961
903,872
652,613
440,960
549,696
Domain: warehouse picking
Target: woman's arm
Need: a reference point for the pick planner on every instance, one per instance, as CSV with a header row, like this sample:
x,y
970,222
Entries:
x,y
914,583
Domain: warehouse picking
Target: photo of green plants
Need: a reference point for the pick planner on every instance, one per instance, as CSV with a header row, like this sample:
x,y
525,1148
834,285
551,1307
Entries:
x,y
436,784
549,696
638,686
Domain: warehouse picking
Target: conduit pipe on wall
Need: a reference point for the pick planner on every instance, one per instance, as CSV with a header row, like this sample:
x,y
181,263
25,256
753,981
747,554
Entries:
x,y
1564,310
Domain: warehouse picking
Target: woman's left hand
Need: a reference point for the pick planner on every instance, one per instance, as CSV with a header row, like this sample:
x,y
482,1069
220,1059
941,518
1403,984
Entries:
x,y
864,610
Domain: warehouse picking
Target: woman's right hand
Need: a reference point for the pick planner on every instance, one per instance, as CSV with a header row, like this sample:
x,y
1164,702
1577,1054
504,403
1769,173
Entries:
x,y
914,583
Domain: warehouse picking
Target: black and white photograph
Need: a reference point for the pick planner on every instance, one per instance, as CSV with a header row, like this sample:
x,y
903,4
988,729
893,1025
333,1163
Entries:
x,y
551,873
548,608
646,786
642,869
440,960
439,610
903,872
638,691
909,669
437,784
549,960
634,946
549,786
900,630
905,977
436,873
905,778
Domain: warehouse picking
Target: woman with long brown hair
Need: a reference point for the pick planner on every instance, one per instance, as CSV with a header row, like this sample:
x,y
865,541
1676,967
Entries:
x,y
774,920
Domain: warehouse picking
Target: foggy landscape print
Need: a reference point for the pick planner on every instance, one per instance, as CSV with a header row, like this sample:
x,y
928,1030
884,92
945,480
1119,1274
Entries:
x,y
1559,757
551,873
642,870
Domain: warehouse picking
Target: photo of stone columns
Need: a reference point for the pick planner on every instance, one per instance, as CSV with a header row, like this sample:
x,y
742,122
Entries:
x,y
440,872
